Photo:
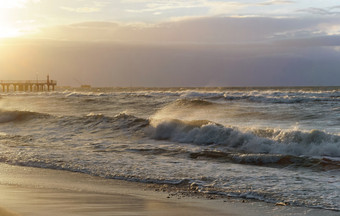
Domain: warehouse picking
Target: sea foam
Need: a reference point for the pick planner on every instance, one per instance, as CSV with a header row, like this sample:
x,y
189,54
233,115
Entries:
x,y
311,143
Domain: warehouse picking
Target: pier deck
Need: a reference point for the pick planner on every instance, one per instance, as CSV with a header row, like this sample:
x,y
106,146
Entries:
x,y
27,85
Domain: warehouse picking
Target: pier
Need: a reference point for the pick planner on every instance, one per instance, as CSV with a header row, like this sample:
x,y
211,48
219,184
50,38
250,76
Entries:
x,y
28,85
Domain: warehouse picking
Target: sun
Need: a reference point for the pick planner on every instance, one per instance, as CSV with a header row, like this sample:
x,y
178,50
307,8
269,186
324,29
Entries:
x,y
8,32
12,3
8,27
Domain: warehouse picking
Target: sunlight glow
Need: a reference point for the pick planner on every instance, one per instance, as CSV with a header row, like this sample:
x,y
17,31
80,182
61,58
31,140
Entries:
x,y
6,31
12,3
7,27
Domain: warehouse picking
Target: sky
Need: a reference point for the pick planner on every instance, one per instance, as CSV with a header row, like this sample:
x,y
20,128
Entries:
x,y
165,43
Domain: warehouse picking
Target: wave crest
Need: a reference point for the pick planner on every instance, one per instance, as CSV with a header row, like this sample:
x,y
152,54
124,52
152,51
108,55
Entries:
x,y
297,143
16,116
193,103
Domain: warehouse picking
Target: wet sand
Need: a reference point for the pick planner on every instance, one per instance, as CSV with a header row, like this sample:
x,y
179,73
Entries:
x,y
27,191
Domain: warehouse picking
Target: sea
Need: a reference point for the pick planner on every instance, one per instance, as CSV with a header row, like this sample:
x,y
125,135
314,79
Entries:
x,y
273,144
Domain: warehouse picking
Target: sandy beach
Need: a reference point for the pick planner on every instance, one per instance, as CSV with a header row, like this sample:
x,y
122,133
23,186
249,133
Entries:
x,y
27,191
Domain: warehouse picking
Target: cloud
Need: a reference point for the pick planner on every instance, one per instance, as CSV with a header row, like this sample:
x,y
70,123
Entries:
x,y
16,3
220,7
250,51
214,7
159,6
126,64
210,7
84,6
276,2
321,11
335,7
81,9
213,30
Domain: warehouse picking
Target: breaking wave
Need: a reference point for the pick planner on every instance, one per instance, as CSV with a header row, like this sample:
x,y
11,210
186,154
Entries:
x,y
295,143
83,94
268,96
288,96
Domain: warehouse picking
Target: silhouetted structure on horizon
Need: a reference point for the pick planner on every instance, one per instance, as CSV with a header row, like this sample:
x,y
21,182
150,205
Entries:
x,y
28,85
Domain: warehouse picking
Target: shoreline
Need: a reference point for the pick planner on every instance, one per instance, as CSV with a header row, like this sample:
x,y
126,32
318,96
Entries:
x,y
28,191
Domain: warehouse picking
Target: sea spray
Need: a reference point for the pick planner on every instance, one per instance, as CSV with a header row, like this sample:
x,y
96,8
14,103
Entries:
x,y
202,132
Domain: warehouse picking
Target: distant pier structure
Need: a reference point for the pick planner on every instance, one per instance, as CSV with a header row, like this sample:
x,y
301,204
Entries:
x,y
28,85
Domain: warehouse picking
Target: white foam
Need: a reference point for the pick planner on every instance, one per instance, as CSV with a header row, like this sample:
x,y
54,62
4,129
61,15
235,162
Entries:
x,y
312,143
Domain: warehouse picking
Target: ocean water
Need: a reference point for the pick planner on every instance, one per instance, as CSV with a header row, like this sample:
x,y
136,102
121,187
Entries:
x,y
268,144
